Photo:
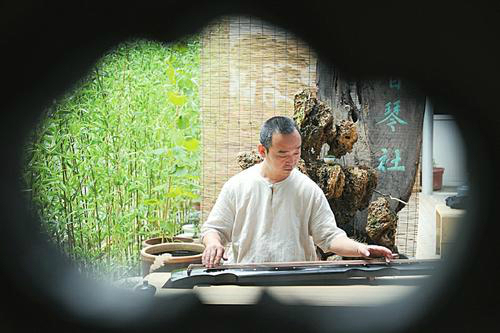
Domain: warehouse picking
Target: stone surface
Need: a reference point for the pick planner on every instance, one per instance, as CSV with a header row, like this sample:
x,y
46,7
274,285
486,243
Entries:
x,y
247,159
382,224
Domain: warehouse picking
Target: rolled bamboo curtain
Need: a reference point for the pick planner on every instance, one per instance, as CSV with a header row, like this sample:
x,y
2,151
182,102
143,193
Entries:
x,y
250,71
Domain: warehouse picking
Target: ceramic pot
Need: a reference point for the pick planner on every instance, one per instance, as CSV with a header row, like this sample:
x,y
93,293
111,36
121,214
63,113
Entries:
x,y
437,178
181,256
159,240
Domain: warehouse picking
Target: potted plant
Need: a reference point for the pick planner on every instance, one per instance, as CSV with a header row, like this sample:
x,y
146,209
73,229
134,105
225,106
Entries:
x,y
437,176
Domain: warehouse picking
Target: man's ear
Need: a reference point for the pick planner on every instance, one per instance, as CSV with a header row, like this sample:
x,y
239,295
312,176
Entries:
x,y
262,150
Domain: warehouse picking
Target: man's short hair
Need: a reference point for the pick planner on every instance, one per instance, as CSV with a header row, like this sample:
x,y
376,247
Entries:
x,y
277,124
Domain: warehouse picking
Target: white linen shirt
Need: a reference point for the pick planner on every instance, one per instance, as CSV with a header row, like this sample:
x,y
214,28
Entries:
x,y
264,222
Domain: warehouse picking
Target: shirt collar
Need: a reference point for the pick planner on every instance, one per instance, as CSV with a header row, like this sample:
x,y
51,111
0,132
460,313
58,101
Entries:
x,y
287,179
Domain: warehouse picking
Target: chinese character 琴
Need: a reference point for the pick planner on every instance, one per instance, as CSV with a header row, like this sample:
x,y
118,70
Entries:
x,y
391,115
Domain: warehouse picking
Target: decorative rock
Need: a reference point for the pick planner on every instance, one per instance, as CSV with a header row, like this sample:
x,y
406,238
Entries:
x,y
331,180
382,224
314,120
360,183
301,165
345,139
246,160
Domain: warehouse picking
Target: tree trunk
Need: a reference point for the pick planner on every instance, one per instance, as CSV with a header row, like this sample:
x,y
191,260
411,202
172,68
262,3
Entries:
x,y
389,115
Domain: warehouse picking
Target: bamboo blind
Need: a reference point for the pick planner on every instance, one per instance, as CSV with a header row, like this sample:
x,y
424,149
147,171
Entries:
x,y
250,71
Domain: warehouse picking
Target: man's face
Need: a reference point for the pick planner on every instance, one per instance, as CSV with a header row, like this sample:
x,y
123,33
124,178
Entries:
x,y
283,154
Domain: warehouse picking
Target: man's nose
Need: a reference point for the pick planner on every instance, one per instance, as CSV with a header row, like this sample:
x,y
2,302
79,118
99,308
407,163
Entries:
x,y
293,159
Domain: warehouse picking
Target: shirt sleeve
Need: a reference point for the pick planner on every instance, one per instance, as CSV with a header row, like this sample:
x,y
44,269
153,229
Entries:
x,y
221,217
323,227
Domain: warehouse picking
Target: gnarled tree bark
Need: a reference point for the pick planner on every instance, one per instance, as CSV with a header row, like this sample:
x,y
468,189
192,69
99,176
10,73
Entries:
x,y
388,114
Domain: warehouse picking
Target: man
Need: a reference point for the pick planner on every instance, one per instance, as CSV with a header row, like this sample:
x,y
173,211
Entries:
x,y
271,212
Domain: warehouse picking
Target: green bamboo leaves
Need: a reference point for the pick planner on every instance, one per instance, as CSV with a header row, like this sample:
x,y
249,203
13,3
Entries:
x,y
176,99
118,159
191,145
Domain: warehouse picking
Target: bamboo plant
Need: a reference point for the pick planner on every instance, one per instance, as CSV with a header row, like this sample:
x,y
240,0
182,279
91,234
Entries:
x,y
117,159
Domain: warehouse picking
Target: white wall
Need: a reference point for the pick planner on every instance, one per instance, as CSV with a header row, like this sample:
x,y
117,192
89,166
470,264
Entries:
x,y
449,150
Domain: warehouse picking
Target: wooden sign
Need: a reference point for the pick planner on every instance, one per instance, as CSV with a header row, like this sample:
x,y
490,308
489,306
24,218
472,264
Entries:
x,y
388,113
392,115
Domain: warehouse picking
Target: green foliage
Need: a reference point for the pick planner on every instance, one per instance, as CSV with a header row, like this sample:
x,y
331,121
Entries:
x,y
117,160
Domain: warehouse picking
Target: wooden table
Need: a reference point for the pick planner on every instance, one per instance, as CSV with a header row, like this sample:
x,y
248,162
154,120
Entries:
x,y
447,221
350,295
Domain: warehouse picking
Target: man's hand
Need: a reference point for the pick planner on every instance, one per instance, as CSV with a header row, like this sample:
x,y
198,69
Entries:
x,y
214,251
347,247
375,251
212,255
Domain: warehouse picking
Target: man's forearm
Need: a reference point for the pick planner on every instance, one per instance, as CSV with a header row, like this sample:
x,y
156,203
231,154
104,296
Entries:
x,y
212,237
214,250
346,247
